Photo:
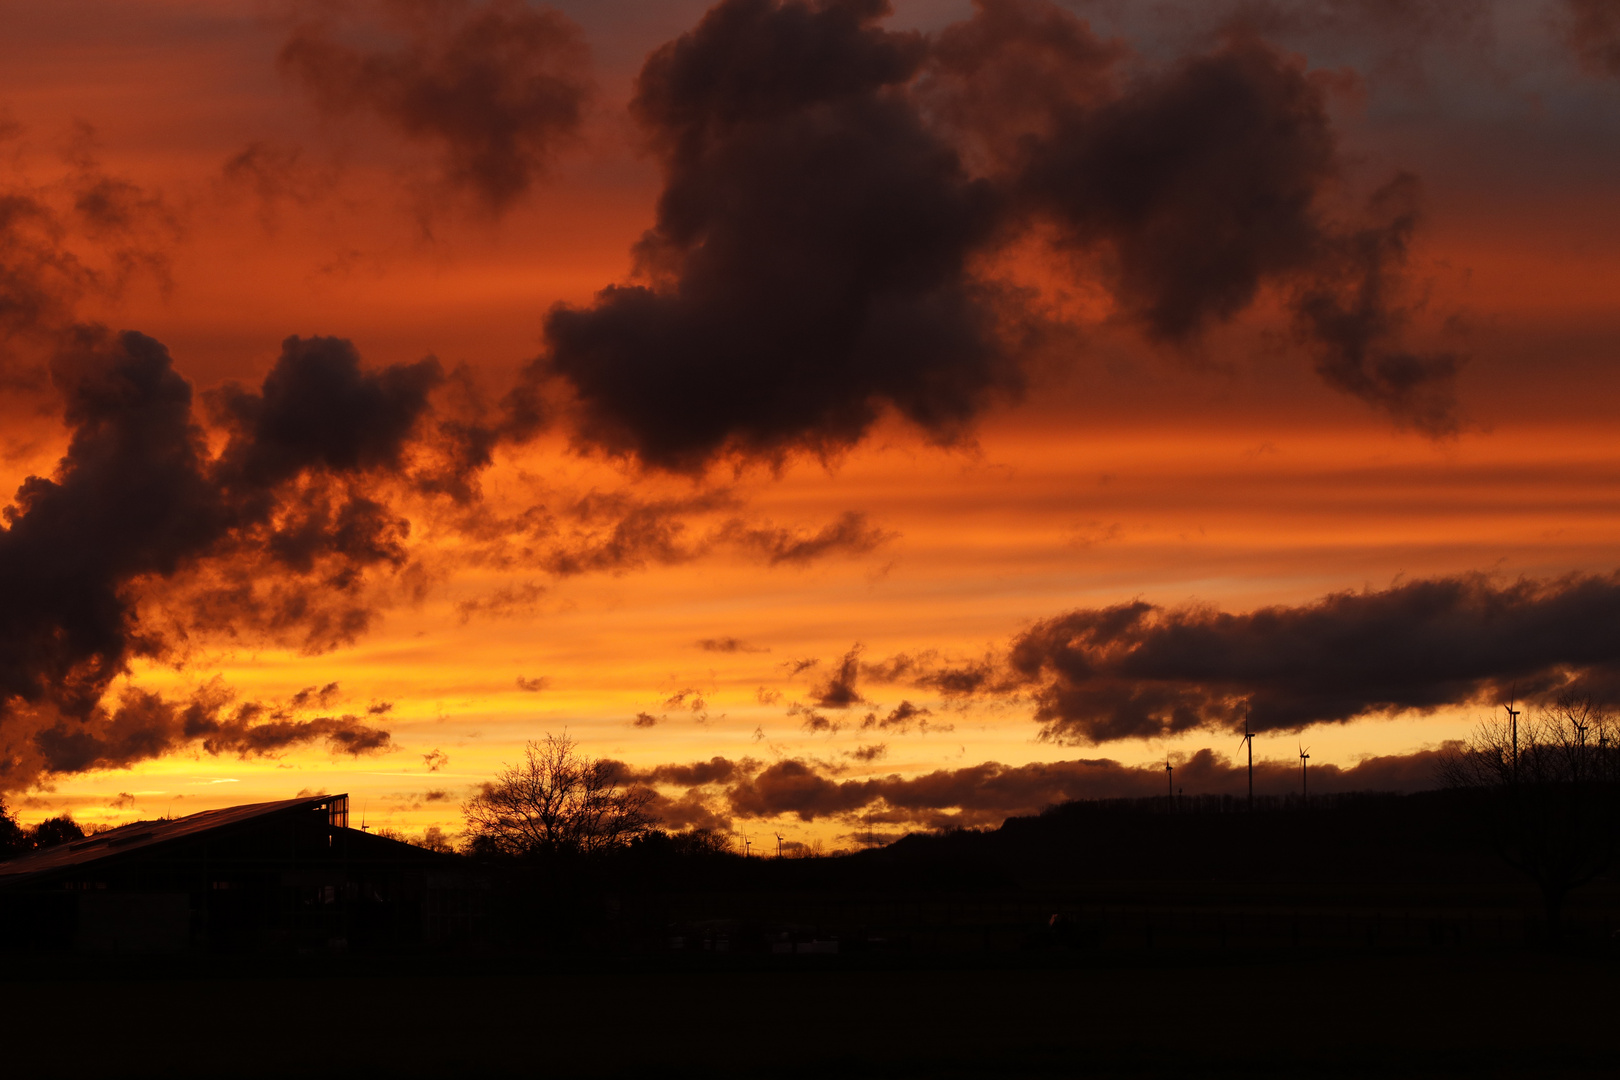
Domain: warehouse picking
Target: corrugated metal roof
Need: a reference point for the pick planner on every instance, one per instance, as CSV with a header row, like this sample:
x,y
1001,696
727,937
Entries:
x,y
144,834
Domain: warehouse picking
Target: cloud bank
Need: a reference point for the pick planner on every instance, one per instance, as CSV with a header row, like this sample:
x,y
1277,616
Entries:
x,y
831,188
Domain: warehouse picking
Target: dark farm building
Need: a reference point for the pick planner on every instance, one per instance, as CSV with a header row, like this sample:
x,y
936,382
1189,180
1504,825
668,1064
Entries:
x,y
277,876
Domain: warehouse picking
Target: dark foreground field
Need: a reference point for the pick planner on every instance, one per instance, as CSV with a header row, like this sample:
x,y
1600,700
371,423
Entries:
x,y
1518,1013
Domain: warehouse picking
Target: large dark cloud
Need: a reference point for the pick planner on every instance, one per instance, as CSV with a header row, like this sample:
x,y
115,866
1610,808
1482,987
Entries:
x,y
318,409
1196,185
130,498
809,260
829,185
496,85
1139,670
138,500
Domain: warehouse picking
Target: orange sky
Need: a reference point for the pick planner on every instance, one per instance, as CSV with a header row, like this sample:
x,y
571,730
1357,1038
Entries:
x,y
1225,473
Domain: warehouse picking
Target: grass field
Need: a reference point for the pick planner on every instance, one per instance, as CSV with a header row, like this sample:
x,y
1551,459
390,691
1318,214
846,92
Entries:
x,y
1475,1015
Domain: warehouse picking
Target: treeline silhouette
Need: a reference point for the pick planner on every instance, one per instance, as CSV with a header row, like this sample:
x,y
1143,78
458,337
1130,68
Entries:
x,y
1357,870
17,840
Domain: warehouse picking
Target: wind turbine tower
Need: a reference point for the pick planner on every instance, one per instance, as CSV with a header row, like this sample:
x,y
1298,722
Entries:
x,y
1169,783
1248,737
1513,723
1304,789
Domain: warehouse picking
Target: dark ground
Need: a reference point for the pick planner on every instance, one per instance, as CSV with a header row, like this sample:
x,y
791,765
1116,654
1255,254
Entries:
x,y
1514,1013
1367,936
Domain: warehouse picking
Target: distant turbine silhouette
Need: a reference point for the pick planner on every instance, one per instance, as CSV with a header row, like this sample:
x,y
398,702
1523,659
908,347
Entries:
x,y
1169,783
1248,737
1513,724
778,845
1304,756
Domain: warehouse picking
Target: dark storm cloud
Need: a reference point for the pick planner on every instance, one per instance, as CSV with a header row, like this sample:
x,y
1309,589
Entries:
x,y
1200,180
1198,184
137,500
496,85
317,408
809,255
828,185
130,498
1594,34
1138,670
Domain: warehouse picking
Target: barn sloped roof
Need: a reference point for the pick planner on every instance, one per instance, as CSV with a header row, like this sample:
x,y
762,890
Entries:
x,y
142,834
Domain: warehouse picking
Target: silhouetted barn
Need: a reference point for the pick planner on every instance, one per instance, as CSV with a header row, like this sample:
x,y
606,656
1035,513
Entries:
x,y
278,876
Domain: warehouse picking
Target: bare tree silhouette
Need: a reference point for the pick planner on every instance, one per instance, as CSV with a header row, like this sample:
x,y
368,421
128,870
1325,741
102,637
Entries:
x,y
555,801
1545,793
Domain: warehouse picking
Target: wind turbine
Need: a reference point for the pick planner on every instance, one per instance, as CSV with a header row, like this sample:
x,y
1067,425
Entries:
x,y
1513,723
1248,737
1169,783
747,845
778,845
1304,789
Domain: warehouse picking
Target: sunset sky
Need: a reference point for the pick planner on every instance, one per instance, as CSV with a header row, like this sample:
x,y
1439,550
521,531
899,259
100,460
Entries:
x,y
853,420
